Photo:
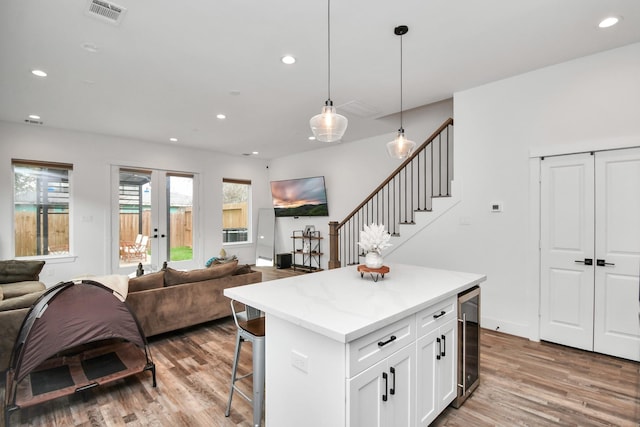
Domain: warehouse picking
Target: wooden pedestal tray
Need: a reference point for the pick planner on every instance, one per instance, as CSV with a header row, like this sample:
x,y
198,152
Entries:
x,y
375,273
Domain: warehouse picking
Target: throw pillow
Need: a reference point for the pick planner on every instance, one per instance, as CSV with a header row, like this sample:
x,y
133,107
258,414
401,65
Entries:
x,y
20,271
224,260
146,282
175,277
1,293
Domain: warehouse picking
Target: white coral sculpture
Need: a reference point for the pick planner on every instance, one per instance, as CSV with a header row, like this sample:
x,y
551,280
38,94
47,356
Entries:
x,y
374,238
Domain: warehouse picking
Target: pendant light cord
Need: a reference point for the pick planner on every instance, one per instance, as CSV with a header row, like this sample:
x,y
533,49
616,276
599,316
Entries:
x,y
329,50
401,126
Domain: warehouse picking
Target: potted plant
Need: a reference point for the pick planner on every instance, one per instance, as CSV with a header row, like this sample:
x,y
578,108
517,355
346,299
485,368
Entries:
x,y
373,240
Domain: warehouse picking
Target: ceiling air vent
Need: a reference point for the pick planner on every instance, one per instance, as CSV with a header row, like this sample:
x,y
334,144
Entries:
x,y
32,122
358,108
108,12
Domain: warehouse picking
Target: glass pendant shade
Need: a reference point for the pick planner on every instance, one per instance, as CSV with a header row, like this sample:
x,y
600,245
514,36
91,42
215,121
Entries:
x,y
401,147
328,126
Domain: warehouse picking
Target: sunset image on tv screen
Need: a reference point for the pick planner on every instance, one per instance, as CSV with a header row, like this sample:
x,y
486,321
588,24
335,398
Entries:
x,y
300,197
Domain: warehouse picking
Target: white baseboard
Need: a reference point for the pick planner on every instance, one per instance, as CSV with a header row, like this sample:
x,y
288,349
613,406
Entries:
x,y
511,328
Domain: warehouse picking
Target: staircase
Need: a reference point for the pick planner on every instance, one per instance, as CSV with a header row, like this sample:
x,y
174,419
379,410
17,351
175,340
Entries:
x,y
419,185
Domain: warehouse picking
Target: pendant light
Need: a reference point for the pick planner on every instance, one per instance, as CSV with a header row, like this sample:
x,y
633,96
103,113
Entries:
x,y
328,126
400,148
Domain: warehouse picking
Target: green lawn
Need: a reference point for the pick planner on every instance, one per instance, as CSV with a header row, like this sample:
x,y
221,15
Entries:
x,y
181,253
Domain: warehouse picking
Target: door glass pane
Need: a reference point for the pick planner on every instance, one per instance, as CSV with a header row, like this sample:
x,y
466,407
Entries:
x,y
135,216
180,217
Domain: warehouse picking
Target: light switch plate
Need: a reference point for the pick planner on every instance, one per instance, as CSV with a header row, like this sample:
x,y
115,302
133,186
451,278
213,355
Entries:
x,y
300,361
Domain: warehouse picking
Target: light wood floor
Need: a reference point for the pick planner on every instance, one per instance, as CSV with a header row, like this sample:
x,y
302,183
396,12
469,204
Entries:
x,y
523,383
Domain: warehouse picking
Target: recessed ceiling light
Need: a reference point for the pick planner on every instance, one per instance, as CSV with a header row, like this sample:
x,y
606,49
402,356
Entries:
x,y
255,153
221,116
312,138
34,116
39,73
288,59
609,21
89,47
173,139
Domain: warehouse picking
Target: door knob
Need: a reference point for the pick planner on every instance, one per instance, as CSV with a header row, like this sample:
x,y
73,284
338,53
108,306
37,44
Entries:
x,y
602,263
586,261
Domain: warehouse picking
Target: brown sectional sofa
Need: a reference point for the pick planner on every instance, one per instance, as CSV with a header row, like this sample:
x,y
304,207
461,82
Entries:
x,y
162,301
170,299
19,289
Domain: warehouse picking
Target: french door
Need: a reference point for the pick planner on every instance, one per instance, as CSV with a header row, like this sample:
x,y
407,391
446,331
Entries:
x,y
590,251
153,219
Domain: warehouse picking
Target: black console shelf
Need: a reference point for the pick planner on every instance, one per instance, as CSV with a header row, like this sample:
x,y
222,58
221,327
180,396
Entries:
x,y
306,250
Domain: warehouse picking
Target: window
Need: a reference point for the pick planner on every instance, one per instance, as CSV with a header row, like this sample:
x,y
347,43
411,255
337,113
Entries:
x,y
235,210
41,207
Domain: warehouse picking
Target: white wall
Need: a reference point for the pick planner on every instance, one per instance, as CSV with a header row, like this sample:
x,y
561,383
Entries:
x,y
585,104
92,156
351,170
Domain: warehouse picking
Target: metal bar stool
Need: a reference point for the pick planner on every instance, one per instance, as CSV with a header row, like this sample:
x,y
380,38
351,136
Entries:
x,y
250,327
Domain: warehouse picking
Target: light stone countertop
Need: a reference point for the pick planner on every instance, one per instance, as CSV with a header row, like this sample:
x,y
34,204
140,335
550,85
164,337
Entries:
x,y
343,306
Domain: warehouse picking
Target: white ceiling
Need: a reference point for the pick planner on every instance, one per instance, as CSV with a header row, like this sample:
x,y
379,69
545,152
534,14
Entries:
x,y
172,65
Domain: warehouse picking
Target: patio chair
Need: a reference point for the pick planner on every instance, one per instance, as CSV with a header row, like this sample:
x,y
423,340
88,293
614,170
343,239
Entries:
x,y
136,251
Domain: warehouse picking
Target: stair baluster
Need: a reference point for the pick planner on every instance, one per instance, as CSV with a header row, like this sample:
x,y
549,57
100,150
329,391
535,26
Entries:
x,y
396,200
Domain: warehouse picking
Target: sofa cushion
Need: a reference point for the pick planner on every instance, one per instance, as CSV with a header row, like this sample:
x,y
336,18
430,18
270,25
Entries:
x,y
1,294
242,269
23,301
13,290
175,277
19,271
147,281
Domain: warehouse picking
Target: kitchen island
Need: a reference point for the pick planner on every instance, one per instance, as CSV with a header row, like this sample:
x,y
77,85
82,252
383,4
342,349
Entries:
x,y
343,350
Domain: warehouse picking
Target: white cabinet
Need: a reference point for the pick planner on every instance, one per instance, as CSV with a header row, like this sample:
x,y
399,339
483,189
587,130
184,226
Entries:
x,y
436,372
334,336
384,394
415,380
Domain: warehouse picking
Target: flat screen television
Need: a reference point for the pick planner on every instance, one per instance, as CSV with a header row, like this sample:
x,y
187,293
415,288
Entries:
x,y
300,197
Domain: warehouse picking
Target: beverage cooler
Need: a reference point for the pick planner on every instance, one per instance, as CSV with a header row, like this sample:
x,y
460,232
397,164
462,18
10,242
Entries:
x,y
468,344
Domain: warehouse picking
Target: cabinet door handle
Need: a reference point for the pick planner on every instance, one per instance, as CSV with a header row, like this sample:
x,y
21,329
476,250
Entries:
x,y
386,386
464,353
587,261
602,263
442,313
383,343
444,346
392,390
439,348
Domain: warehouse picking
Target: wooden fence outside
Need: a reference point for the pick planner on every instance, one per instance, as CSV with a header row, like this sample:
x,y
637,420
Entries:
x,y
25,223
181,225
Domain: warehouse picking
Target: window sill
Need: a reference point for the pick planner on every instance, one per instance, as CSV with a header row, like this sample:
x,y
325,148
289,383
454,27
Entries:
x,y
237,244
50,259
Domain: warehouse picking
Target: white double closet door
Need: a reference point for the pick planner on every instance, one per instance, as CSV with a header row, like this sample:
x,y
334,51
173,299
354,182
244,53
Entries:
x,y
590,251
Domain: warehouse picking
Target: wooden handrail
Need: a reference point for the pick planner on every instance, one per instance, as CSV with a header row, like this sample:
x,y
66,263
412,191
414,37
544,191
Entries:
x,y
417,151
393,200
